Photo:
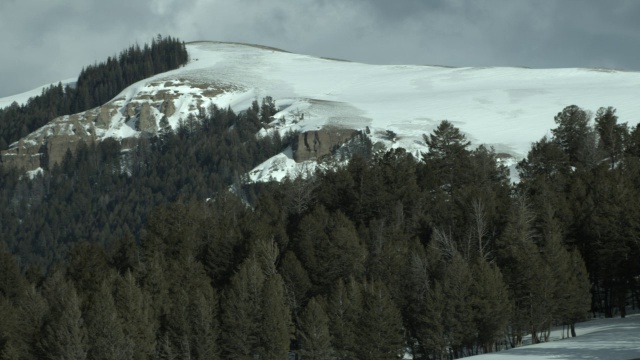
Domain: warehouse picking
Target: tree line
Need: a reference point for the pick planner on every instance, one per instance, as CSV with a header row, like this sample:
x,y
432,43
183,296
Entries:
x,y
439,257
96,85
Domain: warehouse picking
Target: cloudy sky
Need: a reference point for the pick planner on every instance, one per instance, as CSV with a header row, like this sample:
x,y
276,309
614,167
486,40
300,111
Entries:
x,y
45,41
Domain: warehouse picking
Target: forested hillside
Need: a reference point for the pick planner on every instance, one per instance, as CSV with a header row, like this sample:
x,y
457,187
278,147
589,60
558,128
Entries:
x,y
147,254
96,85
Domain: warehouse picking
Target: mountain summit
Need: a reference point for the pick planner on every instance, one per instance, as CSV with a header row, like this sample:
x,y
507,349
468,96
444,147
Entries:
x,y
327,101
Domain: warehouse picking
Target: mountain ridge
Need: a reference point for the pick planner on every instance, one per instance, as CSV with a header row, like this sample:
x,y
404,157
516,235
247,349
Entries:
x,y
507,108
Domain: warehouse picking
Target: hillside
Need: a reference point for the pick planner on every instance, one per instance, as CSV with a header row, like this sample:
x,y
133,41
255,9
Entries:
x,y
135,246
507,108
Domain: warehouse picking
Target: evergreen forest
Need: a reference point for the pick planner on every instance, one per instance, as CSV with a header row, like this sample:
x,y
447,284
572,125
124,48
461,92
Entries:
x,y
165,251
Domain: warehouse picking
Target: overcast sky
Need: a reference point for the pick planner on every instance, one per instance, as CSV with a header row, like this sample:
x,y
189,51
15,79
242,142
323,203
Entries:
x,y
45,41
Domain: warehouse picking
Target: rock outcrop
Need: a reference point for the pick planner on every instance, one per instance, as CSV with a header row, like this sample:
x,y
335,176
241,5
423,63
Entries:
x,y
120,118
314,145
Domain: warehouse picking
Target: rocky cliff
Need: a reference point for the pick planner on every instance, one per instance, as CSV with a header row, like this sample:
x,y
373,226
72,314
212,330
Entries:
x,y
124,117
314,145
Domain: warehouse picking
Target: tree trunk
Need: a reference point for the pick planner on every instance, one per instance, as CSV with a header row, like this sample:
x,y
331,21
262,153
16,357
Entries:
x,y
573,329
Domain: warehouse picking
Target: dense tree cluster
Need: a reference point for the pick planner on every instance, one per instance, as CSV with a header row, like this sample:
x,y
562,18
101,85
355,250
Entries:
x,y
104,192
440,257
96,85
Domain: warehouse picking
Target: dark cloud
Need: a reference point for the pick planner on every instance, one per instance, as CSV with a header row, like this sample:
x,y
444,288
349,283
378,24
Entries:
x,y
46,41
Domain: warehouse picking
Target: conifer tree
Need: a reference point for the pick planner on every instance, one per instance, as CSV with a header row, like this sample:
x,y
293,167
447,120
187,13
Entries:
x,y
64,335
205,330
612,135
447,154
379,328
134,310
344,309
9,347
241,312
525,273
314,330
491,305
275,326
571,133
329,247
106,337
459,325
431,331
578,288
296,282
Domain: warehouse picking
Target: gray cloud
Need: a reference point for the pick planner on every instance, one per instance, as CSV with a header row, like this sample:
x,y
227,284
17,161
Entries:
x,y
46,41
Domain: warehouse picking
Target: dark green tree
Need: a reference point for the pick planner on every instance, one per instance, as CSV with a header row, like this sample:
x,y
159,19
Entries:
x,y
105,334
344,308
329,247
611,134
491,305
379,330
64,335
572,132
314,331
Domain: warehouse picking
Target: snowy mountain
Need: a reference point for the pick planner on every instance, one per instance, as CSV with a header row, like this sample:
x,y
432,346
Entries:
x,y
507,108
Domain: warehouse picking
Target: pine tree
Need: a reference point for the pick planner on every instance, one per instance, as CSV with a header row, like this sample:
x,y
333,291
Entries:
x,y
447,152
446,142
612,135
459,325
344,309
491,304
296,282
241,312
578,288
525,273
431,331
64,335
8,327
106,336
379,330
205,328
572,130
329,247
134,310
314,332
275,327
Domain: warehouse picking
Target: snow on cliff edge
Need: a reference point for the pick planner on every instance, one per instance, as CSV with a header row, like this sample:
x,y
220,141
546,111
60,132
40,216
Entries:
x,y
507,108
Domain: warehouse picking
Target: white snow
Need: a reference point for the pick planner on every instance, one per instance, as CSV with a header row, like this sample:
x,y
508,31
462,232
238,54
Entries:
x,y
598,339
507,108
22,98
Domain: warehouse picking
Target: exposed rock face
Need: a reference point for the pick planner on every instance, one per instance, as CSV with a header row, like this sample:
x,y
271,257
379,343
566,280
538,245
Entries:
x,y
22,157
64,133
313,145
146,123
147,106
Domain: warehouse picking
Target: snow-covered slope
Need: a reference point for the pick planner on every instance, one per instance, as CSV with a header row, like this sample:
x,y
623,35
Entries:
x,y
22,98
599,339
507,108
